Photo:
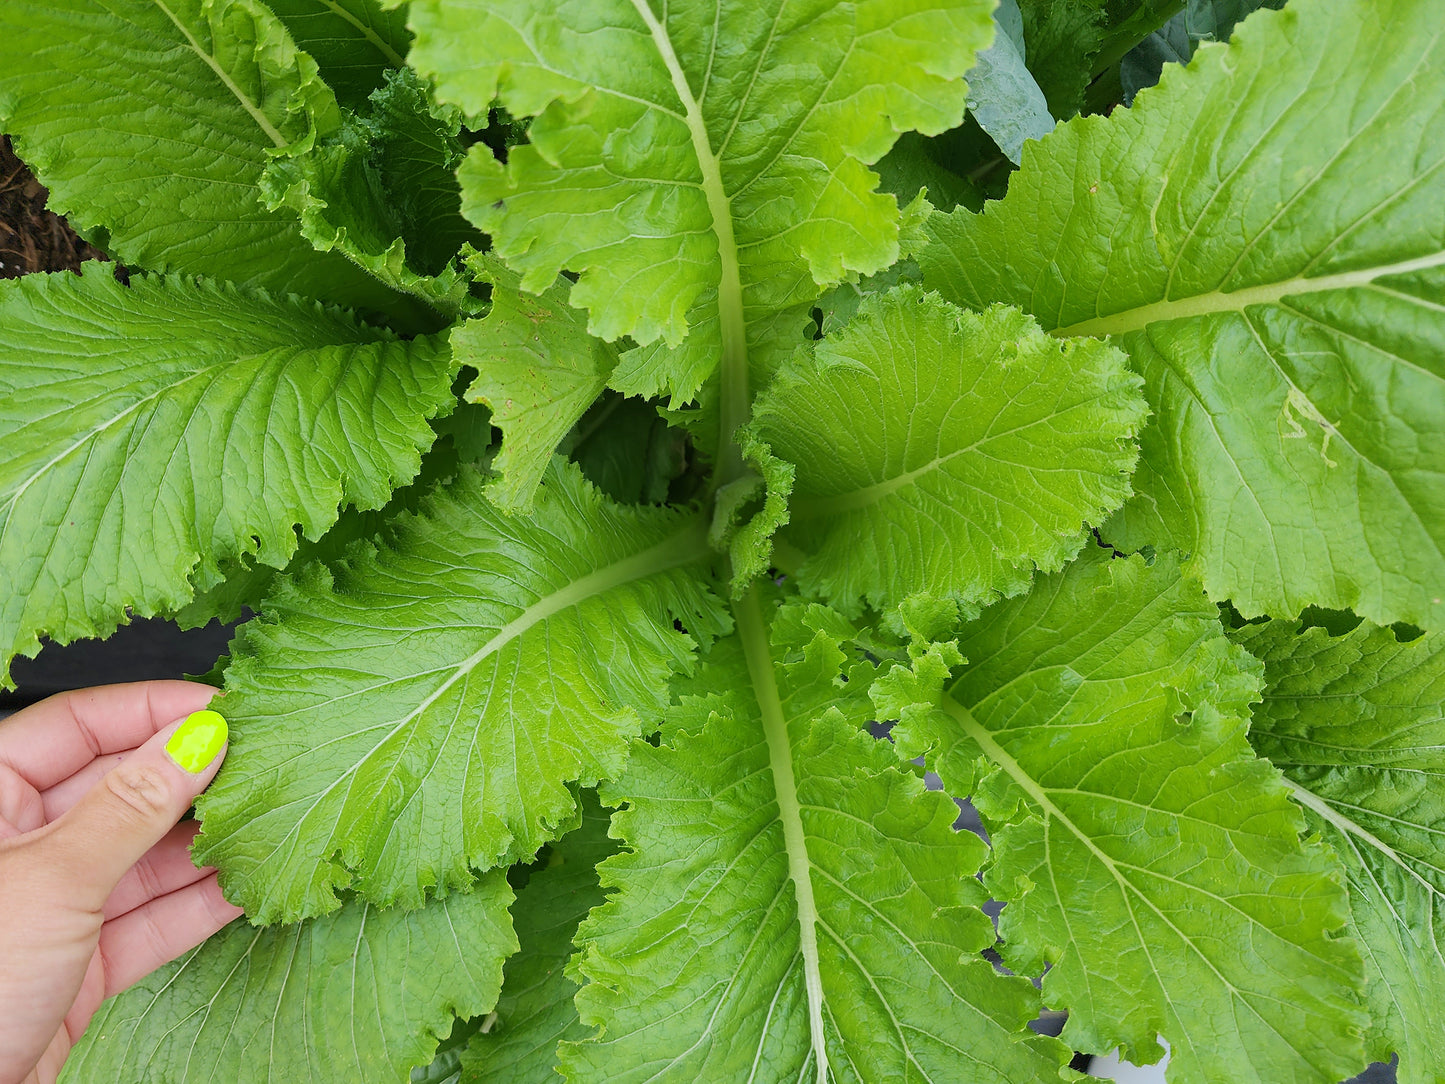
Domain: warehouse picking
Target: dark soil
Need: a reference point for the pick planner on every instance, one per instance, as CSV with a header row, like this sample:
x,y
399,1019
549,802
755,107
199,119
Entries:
x,y
31,237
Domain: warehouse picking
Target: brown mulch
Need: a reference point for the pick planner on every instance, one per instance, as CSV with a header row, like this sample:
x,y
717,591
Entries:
x,y
31,237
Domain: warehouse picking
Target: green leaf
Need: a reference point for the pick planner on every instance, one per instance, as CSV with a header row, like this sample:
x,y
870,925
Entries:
x,y
535,1011
1060,38
352,998
703,169
248,585
792,905
382,192
446,1066
1356,723
1002,95
1277,279
627,450
416,145
353,41
947,452
1176,41
449,685
151,123
154,435
1150,860
914,165
538,370
1069,41
839,305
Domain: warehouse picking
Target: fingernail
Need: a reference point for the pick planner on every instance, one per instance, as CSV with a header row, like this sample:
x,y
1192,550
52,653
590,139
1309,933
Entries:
x,y
197,740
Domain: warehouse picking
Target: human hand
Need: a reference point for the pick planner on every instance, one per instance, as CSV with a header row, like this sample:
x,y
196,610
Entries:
x,y
97,887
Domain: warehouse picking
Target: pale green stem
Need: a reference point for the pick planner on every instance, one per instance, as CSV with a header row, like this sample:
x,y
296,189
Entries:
x,y
753,632
1345,826
734,404
1268,293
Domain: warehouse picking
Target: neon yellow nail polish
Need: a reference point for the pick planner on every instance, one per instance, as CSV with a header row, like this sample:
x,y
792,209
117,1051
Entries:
x,y
197,741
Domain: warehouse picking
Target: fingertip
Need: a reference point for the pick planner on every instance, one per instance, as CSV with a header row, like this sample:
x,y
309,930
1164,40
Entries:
x,y
137,802
221,911
137,943
54,739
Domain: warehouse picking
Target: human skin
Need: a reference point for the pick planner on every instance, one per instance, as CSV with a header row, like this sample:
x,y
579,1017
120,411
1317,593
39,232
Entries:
x,y
97,887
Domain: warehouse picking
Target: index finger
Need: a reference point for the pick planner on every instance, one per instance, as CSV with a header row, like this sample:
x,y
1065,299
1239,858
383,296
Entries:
x,y
52,740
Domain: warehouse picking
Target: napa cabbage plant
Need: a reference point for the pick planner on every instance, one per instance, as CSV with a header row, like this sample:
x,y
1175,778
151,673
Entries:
x,y
612,415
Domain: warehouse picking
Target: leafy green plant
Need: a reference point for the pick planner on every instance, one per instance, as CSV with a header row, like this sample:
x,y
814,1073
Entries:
x,y
604,452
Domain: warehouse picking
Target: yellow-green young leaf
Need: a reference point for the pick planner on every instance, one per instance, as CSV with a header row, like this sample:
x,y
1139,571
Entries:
x,y
421,711
947,452
792,906
700,164
152,436
357,997
537,370
535,1011
151,123
748,512
1149,860
353,41
1357,723
1264,234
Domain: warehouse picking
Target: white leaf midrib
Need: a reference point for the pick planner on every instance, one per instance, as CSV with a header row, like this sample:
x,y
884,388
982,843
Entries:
x,y
1349,827
734,404
752,631
1226,301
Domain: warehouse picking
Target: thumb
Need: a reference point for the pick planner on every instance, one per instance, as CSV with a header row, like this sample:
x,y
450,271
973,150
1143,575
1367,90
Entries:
x,y
137,802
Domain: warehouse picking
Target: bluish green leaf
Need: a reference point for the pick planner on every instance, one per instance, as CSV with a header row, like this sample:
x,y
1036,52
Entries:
x,y
1002,94
1176,40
